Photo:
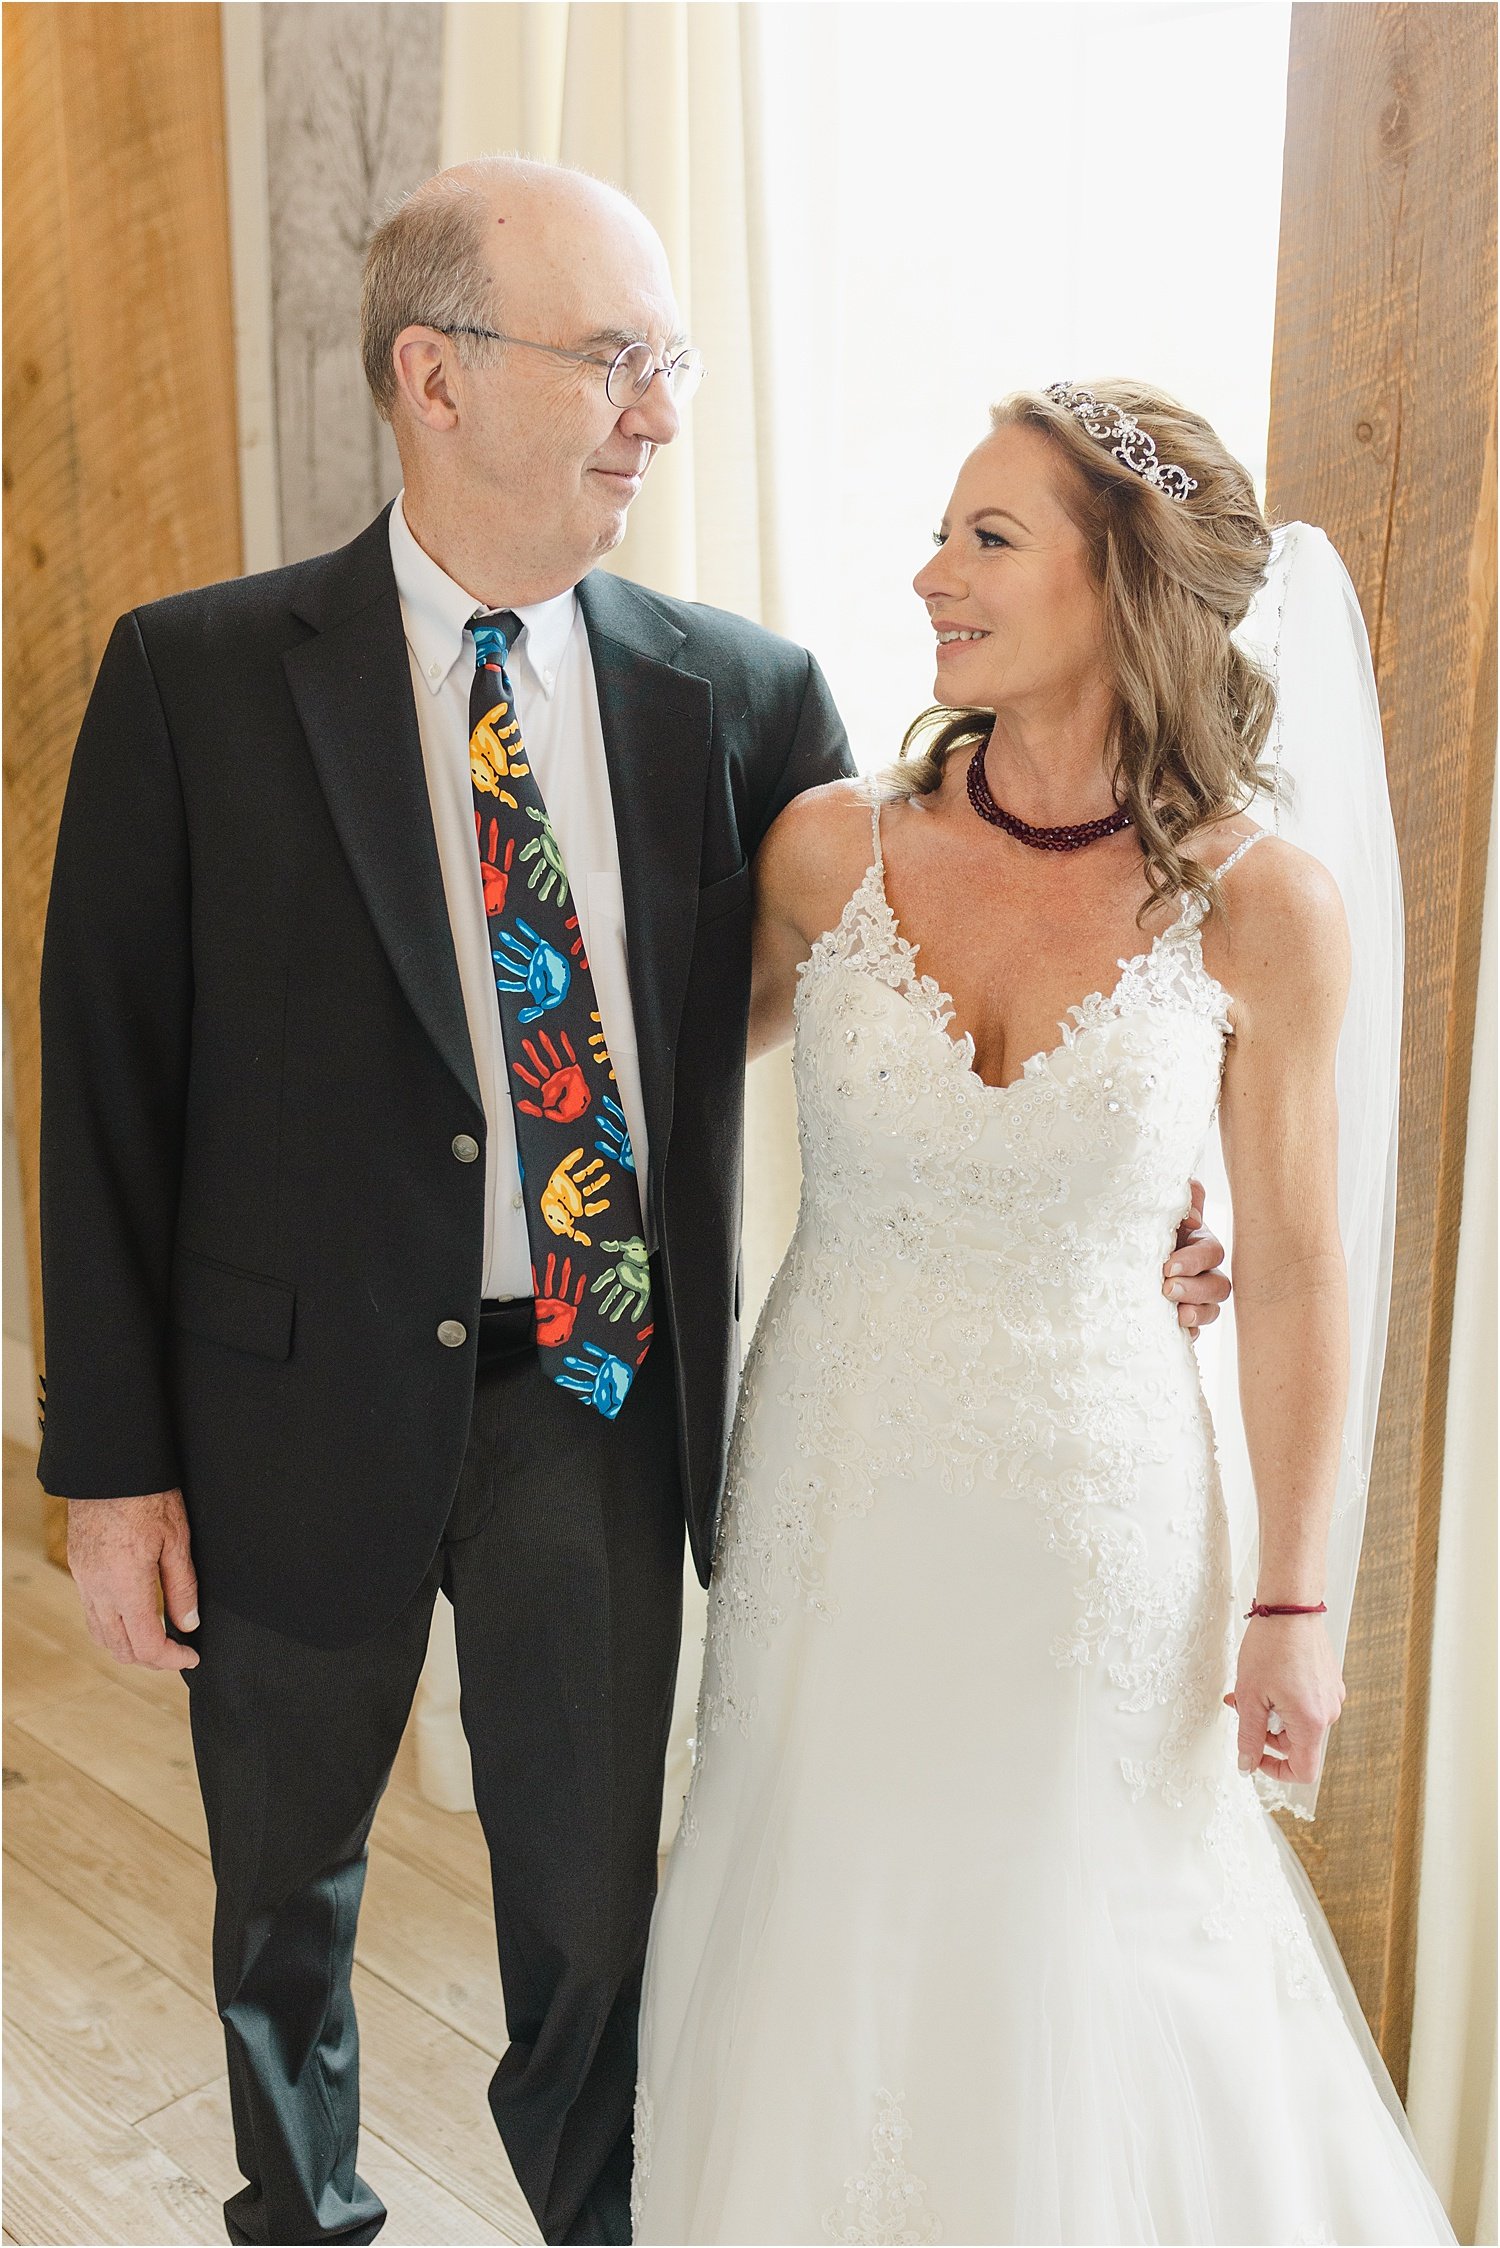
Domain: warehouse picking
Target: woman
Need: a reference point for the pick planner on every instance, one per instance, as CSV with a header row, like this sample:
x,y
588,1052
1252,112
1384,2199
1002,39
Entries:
x,y
973,1930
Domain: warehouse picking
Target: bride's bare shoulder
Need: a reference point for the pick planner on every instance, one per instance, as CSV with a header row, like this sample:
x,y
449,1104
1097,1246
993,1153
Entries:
x,y
1277,877
815,854
824,819
1282,920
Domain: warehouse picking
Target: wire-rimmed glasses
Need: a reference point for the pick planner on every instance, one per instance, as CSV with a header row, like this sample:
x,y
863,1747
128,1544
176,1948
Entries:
x,y
629,374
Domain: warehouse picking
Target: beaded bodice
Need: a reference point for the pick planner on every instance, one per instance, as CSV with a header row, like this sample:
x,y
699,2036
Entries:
x,y
1074,1176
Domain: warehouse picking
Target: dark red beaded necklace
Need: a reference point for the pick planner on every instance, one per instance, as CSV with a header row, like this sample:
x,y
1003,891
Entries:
x,y
1040,838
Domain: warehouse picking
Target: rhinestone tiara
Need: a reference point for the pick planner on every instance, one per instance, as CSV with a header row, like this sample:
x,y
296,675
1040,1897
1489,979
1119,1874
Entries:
x,y
1126,439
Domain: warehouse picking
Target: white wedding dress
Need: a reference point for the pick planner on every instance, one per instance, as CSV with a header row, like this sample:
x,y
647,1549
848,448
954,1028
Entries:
x,y
973,1932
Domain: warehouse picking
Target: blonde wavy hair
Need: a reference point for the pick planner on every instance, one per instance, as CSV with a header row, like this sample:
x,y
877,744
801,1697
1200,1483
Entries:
x,y
1176,576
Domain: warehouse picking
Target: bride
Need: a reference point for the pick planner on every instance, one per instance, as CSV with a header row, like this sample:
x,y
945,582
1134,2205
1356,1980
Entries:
x,y
975,1928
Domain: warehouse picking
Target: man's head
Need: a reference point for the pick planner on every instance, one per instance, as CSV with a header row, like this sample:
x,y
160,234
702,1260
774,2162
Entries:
x,y
492,431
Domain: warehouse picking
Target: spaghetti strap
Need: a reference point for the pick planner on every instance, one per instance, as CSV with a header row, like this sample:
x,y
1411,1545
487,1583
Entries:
x,y
1194,909
1235,856
875,809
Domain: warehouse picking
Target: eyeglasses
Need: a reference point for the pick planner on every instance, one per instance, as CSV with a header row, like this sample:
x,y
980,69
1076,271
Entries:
x,y
630,373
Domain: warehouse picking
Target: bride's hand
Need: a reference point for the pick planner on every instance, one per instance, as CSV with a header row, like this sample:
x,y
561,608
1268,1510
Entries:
x,y
1287,1667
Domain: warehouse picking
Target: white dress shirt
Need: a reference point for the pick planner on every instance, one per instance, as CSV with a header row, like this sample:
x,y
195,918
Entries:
x,y
557,704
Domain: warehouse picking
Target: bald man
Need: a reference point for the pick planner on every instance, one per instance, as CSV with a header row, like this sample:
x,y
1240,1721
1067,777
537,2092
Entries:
x,y
302,1318
384,880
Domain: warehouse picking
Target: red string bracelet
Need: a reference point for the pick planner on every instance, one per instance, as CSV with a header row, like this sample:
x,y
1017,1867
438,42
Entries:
x,y
1260,1608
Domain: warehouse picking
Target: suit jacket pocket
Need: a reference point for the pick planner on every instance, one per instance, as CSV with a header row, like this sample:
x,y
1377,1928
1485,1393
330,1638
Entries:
x,y
243,1310
719,898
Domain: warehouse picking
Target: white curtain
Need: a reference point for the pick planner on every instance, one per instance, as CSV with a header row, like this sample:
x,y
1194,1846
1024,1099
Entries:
x,y
1451,2093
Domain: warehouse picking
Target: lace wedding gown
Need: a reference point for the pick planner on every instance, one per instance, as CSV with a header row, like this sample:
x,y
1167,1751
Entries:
x,y
973,1931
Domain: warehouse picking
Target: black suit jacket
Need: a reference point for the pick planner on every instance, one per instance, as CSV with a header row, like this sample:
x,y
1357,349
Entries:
x,y
256,1061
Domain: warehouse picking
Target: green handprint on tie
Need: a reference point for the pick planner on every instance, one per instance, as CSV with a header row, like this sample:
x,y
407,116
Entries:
x,y
546,854
628,1282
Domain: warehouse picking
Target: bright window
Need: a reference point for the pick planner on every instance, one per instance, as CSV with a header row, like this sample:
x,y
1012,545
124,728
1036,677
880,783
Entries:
x,y
969,198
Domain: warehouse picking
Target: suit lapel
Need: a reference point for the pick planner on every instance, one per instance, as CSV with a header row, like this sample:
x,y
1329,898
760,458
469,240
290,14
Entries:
x,y
352,687
657,725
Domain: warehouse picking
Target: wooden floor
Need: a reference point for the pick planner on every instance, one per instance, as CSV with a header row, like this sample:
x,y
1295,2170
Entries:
x,y
116,2106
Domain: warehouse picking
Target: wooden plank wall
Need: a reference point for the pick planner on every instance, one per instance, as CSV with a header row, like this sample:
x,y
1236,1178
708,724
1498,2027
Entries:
x,y
120,468
1383,431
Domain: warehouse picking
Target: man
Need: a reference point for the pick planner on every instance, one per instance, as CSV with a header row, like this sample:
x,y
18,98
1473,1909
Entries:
x,y
394,1009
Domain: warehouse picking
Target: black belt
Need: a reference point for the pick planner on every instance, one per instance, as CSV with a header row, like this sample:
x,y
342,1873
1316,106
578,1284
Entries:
x,y
506,1327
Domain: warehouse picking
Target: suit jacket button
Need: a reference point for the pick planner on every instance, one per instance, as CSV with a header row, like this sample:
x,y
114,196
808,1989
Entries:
x,y
466,1149
453,1334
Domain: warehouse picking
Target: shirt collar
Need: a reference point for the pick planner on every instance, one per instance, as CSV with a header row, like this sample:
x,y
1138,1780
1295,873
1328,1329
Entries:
x,y
435,611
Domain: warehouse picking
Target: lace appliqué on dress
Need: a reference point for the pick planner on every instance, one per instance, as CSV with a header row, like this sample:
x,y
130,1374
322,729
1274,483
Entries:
x,y
1256,1895
884,2203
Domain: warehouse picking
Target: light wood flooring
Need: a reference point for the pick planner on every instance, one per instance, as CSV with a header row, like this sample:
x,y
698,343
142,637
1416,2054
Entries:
x,y
116,2106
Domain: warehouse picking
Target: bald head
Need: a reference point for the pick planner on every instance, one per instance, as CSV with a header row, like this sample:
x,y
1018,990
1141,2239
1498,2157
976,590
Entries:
x,y
499,242
534,205
497,298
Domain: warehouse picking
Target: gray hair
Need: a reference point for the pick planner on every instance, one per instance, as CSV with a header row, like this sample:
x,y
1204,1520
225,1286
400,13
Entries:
x,y
425,265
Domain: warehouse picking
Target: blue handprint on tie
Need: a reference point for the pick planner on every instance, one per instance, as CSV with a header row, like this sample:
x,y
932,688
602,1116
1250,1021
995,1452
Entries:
x,y
599,1378
532,966
614,1134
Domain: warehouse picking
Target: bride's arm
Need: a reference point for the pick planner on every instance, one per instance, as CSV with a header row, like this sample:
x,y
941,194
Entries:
x,y
807,866
777,946
1286,954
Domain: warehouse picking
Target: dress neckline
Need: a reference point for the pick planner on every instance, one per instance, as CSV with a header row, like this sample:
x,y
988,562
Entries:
x,y
940,1008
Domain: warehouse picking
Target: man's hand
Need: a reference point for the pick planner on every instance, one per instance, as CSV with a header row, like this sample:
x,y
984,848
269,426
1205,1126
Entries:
x,y
1191,1276
120,1551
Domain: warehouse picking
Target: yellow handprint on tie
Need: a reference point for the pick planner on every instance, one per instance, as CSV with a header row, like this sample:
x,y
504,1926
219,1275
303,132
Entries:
x,y
598,1048
565,1196
494,754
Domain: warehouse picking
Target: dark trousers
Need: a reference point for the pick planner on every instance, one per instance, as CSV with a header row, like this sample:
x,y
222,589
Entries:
x,y
562,1557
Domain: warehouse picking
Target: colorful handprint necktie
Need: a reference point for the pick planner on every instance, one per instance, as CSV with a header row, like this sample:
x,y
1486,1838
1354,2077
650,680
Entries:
x,y
578,1181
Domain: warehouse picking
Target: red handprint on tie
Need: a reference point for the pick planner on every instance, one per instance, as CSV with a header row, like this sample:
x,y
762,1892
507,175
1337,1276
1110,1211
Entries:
x,y
565,1094
556,1309
494,869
